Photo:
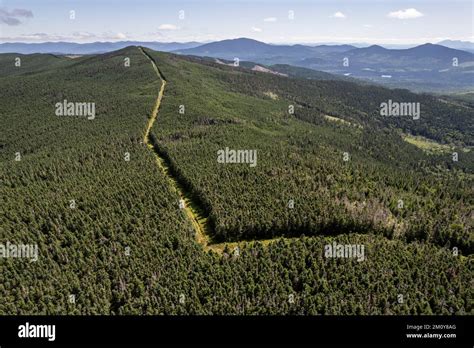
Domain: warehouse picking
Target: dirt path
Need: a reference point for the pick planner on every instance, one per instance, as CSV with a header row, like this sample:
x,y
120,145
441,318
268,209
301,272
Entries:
x,y
191,208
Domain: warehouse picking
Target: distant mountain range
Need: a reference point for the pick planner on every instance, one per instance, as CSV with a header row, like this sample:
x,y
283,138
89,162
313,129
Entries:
x,y
428,67
446,66
248,49
459,45
89,48
255,47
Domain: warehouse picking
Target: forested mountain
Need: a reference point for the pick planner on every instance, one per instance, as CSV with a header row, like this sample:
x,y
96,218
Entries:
x,y
112,232
426,67
437,54
458,45
248,49
282,70
313,158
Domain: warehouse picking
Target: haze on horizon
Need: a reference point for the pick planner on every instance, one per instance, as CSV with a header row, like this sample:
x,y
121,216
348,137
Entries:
x,y
278,21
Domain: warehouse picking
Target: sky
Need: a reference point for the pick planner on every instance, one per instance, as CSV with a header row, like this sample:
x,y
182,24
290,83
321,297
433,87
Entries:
x,y
272,21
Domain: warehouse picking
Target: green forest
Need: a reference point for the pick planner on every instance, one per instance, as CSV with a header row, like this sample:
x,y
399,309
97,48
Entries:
x,y
112,235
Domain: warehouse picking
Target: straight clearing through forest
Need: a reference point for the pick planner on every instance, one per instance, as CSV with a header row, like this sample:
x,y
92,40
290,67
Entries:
x,y
191,208
209,107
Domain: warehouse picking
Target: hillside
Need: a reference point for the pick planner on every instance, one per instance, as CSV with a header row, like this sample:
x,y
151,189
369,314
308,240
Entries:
x,y
429,67
247,49
127,247
458,45
426,67
252,113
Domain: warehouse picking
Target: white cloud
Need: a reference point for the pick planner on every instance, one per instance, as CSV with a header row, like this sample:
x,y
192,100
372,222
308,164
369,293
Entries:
x,y
270,19
257,30
368,26
409,13
168,27
33,37
85,35
77,36
12,17
338,14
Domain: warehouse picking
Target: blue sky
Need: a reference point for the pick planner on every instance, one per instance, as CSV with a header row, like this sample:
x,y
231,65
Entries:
x,y
369,21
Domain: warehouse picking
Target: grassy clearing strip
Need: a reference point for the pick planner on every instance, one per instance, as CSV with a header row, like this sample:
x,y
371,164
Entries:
x,y
427,145
157,103
191,208
342,121
231,246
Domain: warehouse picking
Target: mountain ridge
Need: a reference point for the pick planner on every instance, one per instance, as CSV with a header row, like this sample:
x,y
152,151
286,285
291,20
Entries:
x,y
97,47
